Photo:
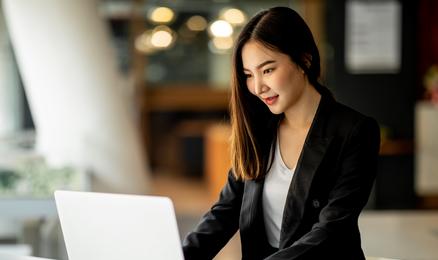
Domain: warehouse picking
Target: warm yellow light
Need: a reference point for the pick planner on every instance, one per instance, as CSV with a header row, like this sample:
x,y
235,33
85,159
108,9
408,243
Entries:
x,y
221,28
143,43
162,37
162,15
223,43
197,23
234,16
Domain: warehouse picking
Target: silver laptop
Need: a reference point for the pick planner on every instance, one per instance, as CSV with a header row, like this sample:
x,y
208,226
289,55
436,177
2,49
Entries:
x,y
100,226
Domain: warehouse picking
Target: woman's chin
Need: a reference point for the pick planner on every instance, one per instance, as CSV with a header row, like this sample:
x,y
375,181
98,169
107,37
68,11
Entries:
x,y
275,111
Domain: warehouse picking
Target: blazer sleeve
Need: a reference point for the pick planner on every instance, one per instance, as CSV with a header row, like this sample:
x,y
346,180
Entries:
x,y
349,195
218,225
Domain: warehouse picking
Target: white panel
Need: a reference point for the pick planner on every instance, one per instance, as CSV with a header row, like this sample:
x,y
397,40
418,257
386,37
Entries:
x,y
426,156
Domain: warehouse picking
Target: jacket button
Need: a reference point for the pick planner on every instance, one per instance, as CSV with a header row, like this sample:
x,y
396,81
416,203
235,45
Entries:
x,y
316,204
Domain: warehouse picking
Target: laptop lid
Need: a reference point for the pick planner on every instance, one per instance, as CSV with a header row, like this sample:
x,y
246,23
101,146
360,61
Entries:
x,y
114,226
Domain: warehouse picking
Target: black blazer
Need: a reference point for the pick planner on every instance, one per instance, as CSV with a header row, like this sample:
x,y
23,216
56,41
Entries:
x,y
330,187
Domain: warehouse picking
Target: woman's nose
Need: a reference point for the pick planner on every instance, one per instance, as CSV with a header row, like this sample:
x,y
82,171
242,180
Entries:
x,y
260,87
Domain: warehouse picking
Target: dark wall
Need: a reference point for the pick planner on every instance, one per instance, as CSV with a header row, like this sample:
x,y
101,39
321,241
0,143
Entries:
x,y
389,98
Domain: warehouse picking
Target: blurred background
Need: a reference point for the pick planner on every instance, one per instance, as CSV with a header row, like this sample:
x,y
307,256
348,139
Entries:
x,y
132,97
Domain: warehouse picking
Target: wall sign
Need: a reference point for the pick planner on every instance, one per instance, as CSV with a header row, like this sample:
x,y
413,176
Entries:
x,y
373,37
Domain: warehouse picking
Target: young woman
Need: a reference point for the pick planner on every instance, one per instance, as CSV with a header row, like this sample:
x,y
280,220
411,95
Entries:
x,y
302,164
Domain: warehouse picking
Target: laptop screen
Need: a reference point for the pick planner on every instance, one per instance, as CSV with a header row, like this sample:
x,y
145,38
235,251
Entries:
x,y
115,226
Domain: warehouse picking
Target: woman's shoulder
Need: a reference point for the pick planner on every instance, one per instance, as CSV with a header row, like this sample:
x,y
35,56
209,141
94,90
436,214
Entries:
x,y
347,113
345,118
339,112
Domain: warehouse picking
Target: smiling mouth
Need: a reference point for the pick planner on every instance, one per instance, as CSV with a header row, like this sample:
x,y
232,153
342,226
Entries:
x,y
271,100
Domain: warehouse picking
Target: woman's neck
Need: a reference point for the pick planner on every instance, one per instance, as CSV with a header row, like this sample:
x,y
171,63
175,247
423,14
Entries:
x,y
301,115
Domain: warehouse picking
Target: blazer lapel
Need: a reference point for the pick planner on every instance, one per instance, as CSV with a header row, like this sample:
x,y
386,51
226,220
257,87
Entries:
x,y
312,154
251,201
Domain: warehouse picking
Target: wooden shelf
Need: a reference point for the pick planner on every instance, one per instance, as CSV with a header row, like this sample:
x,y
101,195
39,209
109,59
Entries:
x,y
196,98
396,147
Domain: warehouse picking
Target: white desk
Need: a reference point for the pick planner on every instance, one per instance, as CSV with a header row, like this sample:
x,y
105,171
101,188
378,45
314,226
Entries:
x,y
406,235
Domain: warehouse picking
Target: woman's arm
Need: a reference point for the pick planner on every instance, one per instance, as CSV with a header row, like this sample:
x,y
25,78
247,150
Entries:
x,y
349,195
218,225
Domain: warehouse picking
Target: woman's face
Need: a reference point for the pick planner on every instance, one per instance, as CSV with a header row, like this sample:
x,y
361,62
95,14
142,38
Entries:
x,y
272,77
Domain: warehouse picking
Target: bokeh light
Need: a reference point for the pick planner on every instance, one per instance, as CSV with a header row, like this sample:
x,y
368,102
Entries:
x,y
233,15
162,37
221,28
197,23
162,15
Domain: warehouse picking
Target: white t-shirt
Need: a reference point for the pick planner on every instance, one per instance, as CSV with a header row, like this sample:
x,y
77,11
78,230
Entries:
x,y
277,182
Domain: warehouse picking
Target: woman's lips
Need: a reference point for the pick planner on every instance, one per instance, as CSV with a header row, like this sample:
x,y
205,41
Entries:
x,y
271,100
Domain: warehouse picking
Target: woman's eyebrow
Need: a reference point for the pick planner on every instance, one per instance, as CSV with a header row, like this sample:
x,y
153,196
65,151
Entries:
x,y
262,64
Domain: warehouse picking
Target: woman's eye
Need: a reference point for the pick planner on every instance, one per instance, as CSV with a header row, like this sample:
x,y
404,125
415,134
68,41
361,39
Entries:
x,y
248,76
266,71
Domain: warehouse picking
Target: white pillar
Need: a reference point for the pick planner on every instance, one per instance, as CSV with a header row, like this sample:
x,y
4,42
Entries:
x,y
79,104
10,94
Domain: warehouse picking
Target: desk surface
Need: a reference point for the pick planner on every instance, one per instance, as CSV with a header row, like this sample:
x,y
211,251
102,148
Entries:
x,y
406,235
